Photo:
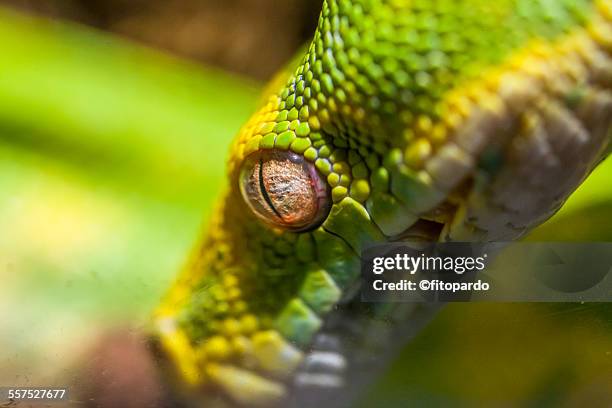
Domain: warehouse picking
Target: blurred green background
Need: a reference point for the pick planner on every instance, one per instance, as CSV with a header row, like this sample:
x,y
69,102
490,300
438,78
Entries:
x,y
111,156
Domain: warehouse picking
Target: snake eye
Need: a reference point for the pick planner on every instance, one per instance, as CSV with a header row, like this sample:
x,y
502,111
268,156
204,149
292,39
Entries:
x,y
284,190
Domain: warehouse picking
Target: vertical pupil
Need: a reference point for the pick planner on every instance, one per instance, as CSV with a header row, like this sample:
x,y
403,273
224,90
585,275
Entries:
x,y
264,192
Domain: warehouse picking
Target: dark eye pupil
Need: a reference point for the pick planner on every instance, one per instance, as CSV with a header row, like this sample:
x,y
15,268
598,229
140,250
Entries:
x,y
263,190
283,189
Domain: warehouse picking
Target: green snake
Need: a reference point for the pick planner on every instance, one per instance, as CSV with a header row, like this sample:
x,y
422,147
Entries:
x,y
405,120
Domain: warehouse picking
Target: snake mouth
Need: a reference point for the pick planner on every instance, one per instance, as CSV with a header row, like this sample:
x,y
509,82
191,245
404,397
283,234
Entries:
x,y
423,230
432,225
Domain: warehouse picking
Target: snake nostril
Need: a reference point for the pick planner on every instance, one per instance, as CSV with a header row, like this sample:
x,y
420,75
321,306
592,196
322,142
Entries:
x,y
284,190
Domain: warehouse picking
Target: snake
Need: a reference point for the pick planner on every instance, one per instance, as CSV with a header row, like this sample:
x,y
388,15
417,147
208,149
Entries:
x,y
402,121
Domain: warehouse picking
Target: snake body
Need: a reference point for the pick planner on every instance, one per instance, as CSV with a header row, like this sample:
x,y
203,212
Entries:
x,y
427,120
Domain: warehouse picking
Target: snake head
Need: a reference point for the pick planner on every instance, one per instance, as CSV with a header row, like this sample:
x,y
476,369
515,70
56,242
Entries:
x,y
397,124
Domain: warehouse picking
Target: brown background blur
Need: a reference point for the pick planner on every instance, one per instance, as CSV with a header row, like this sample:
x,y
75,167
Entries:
x,y
250,37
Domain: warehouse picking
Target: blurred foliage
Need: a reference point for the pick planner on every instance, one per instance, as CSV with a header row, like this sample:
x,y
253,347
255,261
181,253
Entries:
x,y
111,154
235,35
501,354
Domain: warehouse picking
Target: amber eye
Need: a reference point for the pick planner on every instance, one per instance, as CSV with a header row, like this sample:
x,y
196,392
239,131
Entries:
x,y
285,190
